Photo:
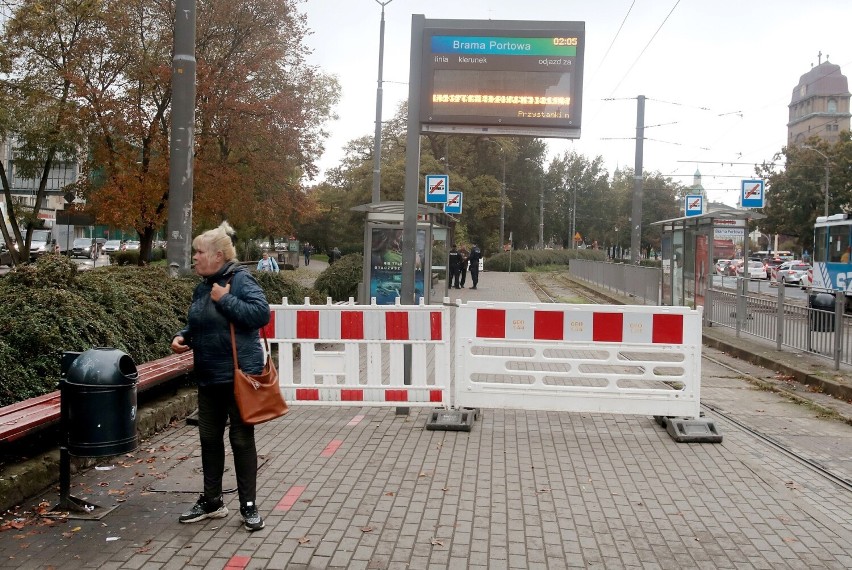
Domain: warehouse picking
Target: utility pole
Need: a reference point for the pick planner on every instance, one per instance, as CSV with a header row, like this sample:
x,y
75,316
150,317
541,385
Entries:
x,y
636,218
541,216
179,250
377,139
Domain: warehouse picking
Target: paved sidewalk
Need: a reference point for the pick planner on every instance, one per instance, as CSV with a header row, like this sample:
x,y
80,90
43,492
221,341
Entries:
x,y
360,487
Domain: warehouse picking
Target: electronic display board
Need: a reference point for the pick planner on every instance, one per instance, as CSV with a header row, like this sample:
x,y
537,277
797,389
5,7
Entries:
x,y
513,77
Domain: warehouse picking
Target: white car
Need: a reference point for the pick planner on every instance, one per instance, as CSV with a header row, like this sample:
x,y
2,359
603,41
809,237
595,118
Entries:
x,y
756,270
792,273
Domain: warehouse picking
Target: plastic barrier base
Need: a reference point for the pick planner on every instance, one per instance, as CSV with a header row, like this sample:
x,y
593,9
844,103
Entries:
x,y
452,420
700,430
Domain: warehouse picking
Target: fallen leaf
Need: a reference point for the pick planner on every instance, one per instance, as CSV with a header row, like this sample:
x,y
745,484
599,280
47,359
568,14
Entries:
x,y
389,494
437,542
366,529
304,540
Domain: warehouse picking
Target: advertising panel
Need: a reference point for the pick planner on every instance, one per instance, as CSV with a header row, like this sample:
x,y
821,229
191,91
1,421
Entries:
x,y
386,264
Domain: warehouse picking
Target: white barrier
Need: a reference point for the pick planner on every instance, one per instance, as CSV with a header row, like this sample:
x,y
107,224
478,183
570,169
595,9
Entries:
x,y
335,340
579,358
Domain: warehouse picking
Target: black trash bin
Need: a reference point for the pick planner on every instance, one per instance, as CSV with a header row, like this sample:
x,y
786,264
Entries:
x,y
822,312
99,403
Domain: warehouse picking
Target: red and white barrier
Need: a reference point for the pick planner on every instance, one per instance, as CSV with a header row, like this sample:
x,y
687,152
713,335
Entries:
x,y
337,341
611,359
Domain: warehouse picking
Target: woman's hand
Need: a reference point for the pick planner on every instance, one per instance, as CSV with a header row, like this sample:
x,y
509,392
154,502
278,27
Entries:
x,y
218,291
179,345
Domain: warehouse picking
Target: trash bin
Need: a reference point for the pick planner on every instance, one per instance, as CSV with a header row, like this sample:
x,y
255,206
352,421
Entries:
x,y
98,399
821,312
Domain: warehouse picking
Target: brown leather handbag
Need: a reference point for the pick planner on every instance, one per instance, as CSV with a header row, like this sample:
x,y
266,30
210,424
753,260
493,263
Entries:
x,y
259,396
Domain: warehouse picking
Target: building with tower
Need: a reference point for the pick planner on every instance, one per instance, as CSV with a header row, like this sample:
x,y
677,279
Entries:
x,y
820,105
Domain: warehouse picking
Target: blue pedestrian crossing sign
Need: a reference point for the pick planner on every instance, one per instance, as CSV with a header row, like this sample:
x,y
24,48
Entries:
x,y
454,203
694,205
437,186
751,195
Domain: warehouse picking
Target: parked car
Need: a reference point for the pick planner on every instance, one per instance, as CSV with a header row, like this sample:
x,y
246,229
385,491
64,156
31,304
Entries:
x,y
792,273
756,270
112,246
131,244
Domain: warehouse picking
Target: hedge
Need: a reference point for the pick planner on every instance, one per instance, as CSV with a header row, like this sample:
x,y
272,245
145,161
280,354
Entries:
x,y
522,259
50,307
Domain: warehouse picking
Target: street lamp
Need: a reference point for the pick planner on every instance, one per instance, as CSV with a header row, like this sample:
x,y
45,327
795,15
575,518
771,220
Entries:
x,y
827,161
502,189
377,139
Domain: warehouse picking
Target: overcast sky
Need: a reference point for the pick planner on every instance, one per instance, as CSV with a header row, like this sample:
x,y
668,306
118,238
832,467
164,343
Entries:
x,y
723,71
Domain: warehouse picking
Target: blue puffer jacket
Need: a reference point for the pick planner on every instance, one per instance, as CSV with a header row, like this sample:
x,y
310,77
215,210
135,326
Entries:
x,y
207,331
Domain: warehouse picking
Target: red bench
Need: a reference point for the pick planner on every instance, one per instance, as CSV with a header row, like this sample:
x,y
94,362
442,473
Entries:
x,y
40,412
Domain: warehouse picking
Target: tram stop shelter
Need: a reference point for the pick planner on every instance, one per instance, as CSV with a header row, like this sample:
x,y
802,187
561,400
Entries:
x,y
383,230
691,246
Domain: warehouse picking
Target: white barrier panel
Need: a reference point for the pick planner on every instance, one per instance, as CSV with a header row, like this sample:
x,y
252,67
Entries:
x,y
337,341
579,358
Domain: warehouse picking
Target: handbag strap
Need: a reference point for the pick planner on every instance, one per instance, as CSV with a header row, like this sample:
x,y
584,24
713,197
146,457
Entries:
x,y
234,338
234,344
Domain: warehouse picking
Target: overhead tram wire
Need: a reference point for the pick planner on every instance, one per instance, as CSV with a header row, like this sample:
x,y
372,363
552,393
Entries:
x,y
645,48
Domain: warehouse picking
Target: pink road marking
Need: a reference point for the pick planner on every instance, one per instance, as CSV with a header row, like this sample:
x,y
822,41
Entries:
x,y
332,446
238,563
290,497
355,421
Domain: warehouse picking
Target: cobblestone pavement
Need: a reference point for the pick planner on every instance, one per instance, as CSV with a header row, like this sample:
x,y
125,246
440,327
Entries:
x,y
361,487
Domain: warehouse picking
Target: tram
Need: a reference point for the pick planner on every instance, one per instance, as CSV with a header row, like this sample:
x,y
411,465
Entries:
x,y
832,261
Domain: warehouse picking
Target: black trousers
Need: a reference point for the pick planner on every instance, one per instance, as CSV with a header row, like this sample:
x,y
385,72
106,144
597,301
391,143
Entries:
x,y
454,276
474,274
216,404
463,275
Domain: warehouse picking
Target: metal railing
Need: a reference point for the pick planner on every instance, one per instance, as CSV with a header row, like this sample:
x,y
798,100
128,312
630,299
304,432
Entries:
x,y
641,283
823,330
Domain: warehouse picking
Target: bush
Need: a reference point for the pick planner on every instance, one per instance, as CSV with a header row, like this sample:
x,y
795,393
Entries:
x,y
50,307
340,280
524,259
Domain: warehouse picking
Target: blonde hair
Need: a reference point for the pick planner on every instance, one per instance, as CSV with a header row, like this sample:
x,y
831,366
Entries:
x,y
218,239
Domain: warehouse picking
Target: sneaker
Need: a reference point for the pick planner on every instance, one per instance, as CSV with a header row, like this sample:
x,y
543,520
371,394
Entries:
x,y
251,517
205,508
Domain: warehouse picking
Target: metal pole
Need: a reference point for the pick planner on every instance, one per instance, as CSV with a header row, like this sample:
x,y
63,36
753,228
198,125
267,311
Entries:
x,y
502,197
636,219
377,139
826,185
839,307
179,250
574,217
412,176
541,217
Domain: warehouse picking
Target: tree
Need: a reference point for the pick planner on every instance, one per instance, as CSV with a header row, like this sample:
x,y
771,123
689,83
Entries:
x,y
43,47
795,193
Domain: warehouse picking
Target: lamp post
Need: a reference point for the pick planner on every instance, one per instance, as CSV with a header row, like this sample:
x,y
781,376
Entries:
x,y
502,190
377,139
827,161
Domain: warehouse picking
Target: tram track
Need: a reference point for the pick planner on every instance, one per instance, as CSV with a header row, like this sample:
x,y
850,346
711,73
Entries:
x,y
545,292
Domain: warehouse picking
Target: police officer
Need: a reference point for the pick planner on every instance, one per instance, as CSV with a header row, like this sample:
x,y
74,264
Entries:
x,y
473,258
455,267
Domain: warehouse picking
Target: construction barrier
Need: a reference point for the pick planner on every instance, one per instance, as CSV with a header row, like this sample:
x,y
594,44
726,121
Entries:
x,y
642,360
337,341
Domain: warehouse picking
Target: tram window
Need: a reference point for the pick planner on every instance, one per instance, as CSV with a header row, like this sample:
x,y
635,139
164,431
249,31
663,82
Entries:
x,y
838,242
819,245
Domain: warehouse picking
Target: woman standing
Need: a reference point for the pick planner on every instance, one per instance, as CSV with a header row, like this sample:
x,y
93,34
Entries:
x,y
227,294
